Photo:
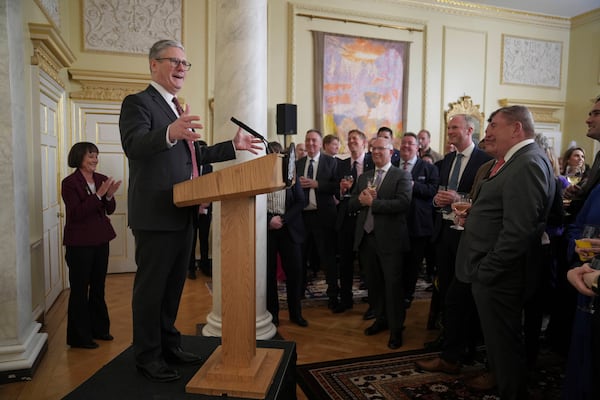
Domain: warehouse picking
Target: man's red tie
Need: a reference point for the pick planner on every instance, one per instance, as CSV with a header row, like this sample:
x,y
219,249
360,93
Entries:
x,y
496,167
189,142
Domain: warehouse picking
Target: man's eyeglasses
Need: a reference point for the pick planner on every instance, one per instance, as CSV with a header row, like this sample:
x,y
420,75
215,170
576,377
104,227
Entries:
x,y
176,61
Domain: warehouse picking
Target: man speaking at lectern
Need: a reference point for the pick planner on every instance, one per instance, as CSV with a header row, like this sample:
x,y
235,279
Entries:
x,y
158,139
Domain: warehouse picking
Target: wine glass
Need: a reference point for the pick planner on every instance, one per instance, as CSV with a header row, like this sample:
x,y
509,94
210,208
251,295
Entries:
x,y
460,206
443,210
371,185
573,173
349,179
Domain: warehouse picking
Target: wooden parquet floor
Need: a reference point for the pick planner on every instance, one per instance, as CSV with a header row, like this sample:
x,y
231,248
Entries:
x,y
328,337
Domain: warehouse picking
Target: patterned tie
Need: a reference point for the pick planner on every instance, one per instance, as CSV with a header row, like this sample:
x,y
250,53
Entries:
x,y
405,166
369,221
453,182
189,142
496,167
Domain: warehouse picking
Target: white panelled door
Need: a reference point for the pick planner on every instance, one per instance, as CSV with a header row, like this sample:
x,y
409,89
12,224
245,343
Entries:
x,y
51,123
99,123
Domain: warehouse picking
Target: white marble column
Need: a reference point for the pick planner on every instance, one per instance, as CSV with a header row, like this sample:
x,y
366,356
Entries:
x,y
241,91
21,343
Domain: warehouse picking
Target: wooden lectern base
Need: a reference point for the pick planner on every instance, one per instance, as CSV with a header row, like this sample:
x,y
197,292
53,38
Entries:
x,y
253,382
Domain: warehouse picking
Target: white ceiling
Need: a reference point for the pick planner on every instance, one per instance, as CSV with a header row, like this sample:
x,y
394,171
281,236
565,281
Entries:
x,y
560,8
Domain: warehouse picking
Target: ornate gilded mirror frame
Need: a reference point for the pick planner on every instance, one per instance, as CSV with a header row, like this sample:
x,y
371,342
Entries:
x,y
465,105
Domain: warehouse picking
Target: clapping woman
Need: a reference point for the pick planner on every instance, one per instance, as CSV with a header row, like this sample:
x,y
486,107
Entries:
x,y
89,198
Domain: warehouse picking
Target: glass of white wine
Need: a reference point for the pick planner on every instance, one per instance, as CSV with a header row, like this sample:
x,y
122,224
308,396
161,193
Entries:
x,y
460,206
573,173
371,185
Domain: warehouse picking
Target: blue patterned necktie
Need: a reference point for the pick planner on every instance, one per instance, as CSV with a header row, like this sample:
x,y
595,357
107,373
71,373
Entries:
x,y
453,181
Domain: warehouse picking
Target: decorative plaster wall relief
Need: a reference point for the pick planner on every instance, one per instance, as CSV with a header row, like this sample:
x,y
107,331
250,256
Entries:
x,y
129,26
531,62
50,8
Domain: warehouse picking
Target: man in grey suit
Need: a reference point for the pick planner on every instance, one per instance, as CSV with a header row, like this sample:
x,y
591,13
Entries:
x,y
382,238
158,138
506,219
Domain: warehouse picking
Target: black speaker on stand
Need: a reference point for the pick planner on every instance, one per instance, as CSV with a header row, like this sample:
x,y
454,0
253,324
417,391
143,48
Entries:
x,y
286,121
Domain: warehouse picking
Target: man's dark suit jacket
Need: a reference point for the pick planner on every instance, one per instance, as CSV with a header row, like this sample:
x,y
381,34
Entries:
x,y
344,169
329,185
87,223
506,219
154,167
478,157
426,180
389,210
294,204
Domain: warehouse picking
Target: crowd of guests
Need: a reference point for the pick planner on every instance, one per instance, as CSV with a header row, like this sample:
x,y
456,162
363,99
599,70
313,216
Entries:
x,y
519,254
506,270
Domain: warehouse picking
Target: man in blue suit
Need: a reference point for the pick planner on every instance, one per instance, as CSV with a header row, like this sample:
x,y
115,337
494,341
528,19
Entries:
x,y
355,165
457,174
425,179
318,177
158,139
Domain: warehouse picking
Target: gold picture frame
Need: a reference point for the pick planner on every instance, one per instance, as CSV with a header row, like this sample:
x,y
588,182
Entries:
x,y
465,105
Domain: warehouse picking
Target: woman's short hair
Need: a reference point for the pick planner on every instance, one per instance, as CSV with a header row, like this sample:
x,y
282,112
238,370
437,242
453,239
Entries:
x,y
78,151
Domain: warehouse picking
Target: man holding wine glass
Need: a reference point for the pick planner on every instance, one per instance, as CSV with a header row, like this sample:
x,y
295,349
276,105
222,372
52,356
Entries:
x,y
381,238
457,172
350,169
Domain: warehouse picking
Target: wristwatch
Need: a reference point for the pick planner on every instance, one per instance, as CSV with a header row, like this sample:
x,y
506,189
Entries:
x,y
595,286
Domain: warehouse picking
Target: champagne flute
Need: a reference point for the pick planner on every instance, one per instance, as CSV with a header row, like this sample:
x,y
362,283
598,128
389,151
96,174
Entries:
x,y
460,206
371,184
573,173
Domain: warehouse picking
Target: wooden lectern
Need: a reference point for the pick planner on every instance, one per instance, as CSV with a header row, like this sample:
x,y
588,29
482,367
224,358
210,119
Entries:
x,y
237,368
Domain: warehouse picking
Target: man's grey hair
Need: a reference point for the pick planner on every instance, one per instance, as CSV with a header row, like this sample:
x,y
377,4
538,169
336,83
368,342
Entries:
x,y
159,46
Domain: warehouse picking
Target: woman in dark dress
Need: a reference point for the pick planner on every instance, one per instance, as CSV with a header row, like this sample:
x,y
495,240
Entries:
x,y
89,198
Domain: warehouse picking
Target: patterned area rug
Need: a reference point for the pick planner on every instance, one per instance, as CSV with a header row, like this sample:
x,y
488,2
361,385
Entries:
x,y
394,376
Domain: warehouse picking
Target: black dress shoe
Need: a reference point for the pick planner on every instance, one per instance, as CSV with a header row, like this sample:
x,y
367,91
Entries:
x,y
275,320
106,336
332,303
192,274
158,372
341,307
90,345
178,356
299,321
369,314
378,326
395,342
